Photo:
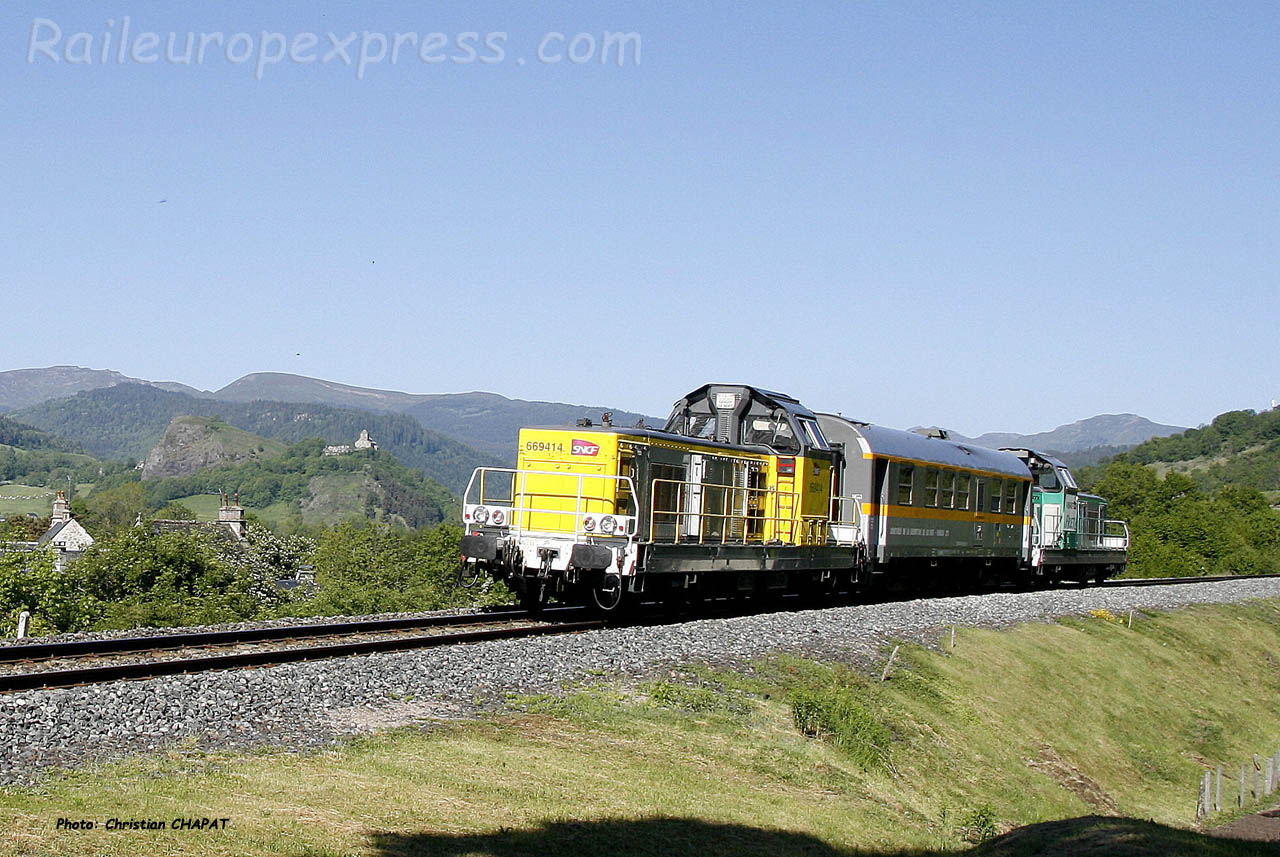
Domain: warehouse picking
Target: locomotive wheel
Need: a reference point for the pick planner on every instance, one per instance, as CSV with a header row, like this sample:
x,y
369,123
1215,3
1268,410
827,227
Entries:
x,y
608,596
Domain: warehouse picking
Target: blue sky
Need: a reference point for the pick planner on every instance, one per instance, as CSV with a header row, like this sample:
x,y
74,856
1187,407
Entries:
x,y
987,216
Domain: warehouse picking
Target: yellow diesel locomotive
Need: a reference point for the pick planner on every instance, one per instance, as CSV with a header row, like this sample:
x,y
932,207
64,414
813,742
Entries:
x,y
742,492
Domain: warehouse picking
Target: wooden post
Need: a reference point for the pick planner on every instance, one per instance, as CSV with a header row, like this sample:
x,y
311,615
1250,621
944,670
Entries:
x,y
1268,781
884,676
1257,770
1202,804
1217,798
1131,620
1243,785
953,644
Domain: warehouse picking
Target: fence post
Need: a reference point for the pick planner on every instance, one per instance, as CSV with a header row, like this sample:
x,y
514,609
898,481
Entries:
x,y
1242,785
1217,798
1202,803
1257,770
884,676
1268,782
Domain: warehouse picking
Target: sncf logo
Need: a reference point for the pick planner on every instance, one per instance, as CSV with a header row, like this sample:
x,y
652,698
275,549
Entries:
x,y
582,447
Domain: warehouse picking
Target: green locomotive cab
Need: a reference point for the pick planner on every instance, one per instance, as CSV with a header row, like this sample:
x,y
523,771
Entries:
x,y
1071,536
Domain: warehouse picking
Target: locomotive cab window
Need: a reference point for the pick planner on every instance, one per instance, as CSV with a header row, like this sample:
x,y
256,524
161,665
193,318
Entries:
x,y
702,426
1048,480
906,481
813,435
773,431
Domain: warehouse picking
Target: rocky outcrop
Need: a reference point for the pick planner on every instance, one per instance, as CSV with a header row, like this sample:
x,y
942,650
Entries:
x,y
192,443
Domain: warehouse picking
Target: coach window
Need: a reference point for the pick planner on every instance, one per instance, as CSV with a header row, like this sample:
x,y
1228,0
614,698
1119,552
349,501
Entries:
x,y
997,492
906,481
962,491
931,487
1012,490
947,490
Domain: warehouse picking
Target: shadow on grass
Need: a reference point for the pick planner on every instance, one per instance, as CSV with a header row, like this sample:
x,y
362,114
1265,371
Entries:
x,y
1090,836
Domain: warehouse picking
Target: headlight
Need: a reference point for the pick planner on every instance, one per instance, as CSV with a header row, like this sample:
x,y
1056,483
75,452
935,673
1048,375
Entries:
x,y
499,517
589,524
608,525
480,515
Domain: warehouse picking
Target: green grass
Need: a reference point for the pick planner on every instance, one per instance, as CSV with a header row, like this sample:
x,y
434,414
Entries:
x,y
206,507
1047,725
16,499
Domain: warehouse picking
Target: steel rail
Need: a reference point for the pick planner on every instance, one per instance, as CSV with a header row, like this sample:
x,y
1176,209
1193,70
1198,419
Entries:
x,y
159,642
1173,581
242,660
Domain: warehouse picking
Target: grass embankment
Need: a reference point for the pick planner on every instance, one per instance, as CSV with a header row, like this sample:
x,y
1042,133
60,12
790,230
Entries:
x,y
1030,726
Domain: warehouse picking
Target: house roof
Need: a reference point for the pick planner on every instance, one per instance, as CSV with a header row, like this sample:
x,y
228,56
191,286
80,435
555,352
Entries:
x,y
50,533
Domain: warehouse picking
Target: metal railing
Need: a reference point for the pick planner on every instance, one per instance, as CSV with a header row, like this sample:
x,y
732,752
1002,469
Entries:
x,y
511,496
1114,535
712,513
846,527
1051,532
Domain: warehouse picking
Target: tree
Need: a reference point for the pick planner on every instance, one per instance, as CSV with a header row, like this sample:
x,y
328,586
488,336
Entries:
x,y
115,508
31,582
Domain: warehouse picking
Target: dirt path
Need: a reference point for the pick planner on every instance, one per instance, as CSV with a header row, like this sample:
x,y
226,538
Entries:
x,y
1259,827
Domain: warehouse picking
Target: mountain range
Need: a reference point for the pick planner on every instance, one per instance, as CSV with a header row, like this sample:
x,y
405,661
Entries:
x,y
1104,430
21,388
465,428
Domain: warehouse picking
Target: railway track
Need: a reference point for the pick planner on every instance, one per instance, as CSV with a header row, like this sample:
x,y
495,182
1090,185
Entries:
x,y
72,663
80,662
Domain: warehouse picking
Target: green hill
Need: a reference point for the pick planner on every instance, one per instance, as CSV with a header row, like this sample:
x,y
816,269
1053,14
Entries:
x,y
37,458
128,420
303,486
1237,448
1199,502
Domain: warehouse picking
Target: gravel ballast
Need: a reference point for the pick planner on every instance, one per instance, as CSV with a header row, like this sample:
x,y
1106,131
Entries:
x,y
306,705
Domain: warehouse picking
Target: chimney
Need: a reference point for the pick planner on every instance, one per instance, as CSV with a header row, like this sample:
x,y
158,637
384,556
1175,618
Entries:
x,y
61,508
232,514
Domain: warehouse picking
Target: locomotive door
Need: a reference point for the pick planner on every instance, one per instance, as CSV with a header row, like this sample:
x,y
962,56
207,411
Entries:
x,y
692,525
1071,521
